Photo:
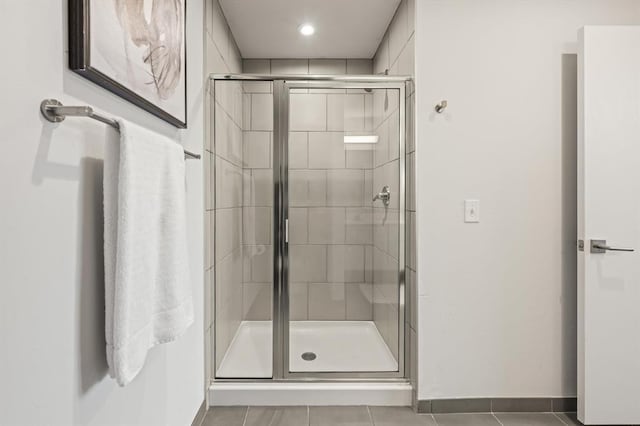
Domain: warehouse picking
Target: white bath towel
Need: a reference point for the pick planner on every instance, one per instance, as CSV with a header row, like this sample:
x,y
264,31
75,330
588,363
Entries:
x,y
147,286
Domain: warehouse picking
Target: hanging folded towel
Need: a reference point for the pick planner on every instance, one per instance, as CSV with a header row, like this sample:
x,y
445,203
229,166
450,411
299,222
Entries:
x,y
147,286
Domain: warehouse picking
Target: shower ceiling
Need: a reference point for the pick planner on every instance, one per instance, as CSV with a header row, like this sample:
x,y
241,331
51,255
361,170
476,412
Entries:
x,y
343,29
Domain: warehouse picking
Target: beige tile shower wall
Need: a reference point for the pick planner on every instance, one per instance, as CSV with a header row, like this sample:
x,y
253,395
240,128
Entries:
x,y
331,234
223,189
396,54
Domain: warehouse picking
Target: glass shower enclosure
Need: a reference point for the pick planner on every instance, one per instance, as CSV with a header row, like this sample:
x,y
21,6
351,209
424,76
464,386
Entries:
x,y
309,227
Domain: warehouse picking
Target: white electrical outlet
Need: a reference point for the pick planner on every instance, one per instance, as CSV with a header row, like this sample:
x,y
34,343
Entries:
x,y
471,211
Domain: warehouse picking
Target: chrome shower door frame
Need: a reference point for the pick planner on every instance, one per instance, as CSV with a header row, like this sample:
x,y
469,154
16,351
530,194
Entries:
x,y
282,84
281,318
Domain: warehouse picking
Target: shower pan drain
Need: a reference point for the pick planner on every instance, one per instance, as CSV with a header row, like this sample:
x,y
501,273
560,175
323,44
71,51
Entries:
x,y
308,356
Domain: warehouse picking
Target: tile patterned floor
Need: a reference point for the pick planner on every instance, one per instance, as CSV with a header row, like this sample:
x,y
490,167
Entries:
x,y
373,416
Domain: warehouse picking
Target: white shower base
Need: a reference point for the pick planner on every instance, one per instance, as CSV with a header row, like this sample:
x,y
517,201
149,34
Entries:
x,y
223,394
340,346
346,346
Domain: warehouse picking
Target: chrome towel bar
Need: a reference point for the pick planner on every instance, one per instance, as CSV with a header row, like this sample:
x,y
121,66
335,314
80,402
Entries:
x,y
55,112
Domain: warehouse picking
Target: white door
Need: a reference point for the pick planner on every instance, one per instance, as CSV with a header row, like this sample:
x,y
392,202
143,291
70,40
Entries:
x,y
609,209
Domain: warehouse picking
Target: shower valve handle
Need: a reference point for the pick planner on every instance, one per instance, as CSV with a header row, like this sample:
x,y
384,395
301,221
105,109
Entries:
x,y
384,196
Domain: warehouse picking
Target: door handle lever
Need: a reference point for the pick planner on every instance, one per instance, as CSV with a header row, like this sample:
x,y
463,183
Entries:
x,y
600,246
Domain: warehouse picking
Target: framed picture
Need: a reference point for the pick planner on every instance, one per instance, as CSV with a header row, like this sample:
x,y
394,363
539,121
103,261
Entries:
x,y
134,48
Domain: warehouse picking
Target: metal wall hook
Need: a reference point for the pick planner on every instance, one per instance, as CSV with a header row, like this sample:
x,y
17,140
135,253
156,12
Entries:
x,y
441,106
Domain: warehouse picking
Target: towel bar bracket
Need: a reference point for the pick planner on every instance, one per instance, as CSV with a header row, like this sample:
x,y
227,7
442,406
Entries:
x,y
48,108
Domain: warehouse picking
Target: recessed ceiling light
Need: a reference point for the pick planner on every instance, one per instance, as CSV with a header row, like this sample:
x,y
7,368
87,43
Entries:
x,y
306,29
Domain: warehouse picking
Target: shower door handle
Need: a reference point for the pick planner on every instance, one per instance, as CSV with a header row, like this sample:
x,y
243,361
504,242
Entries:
x,y
286,231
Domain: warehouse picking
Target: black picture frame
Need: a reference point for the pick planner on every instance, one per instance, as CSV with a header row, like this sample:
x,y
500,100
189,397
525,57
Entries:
x,y
80,62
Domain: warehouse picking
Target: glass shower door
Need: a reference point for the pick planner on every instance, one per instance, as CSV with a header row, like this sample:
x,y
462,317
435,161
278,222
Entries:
x,y
344,161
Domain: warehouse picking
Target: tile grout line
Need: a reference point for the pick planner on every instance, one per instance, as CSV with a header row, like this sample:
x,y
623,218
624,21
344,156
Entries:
x,y
433,418
559,418
494,415
370,416
246,414
273,419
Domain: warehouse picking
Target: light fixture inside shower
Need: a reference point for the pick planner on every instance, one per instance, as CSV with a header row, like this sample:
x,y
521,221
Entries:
x,y
306,29
361,139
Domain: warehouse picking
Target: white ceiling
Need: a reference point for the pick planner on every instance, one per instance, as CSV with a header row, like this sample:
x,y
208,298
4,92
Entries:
x,y
344,28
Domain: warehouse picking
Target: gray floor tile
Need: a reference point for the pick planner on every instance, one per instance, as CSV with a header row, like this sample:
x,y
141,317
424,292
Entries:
x,y
572,419
399,416
225,416
528,419
475,419
339,416
277,416
569,418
